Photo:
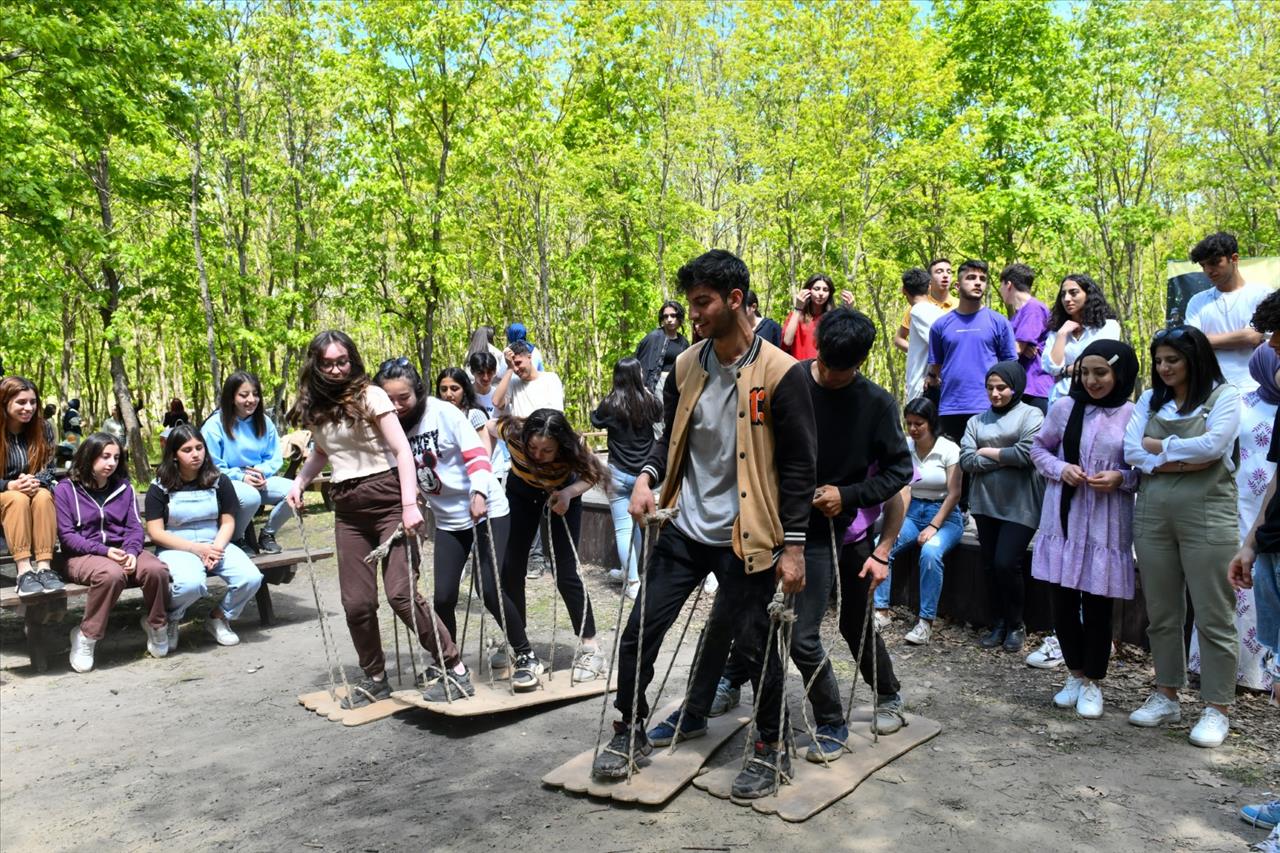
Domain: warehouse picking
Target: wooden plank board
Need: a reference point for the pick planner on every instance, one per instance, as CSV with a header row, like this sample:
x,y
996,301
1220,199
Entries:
x,y
815,787
499,699
329,708
658,780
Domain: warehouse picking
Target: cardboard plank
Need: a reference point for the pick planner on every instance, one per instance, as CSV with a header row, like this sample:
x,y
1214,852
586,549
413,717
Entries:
x,y
499,699
329,708
815,787
661,778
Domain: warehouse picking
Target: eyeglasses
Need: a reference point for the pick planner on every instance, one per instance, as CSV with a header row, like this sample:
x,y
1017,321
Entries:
x,y
336,364
402,361
1171,333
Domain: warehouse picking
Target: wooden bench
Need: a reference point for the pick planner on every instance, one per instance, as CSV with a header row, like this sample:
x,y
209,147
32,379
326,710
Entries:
x,y
40,613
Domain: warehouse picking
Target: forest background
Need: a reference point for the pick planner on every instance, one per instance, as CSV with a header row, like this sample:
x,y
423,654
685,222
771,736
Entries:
x,y
192,188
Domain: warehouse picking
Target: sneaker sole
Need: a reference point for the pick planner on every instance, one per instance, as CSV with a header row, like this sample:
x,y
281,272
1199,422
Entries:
x,y
816,757
915,641
1053,664
1144,724
1255,821
687,736
1207,745
1097,716
1064,705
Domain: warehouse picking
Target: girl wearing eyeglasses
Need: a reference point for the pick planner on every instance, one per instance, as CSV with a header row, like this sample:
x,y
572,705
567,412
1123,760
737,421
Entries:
x,y
1182,437
374,488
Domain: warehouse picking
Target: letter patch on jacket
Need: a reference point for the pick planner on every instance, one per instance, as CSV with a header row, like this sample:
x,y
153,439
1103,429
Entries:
x,y
757,406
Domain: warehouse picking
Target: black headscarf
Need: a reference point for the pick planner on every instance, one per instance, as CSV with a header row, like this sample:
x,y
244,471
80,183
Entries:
x,y
1015,377
1124,364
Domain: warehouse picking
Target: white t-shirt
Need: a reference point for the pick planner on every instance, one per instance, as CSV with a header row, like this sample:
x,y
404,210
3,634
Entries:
x,y
451,462
545,392
931,471
1214,313
1108,331
357,449
922,314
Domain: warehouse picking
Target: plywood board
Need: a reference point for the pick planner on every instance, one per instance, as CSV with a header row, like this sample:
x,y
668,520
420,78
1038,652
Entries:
x,y
499,699
330,708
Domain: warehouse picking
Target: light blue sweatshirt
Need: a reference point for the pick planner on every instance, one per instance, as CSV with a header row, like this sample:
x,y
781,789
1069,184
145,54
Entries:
x,y
232,454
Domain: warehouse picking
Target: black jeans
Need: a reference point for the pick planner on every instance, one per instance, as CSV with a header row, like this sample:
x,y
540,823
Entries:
x,y
452,549
526,512
806,641
854,624
1004,544
1082,621
676,567
952,426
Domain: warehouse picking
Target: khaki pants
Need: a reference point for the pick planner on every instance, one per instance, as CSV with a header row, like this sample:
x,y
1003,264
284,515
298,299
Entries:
x,y
1185,533
29,522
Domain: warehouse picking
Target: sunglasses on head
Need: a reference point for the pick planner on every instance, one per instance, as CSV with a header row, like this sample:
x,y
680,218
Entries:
x,y
402,361
1169,333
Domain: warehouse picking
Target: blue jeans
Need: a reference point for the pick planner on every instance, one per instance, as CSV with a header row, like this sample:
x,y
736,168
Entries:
x,y
919,516
623,525
251,500
1266,601
188,578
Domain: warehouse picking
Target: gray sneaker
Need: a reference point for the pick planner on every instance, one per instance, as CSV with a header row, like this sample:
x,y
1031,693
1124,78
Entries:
x,y
727,697
448,687
622,750
889,716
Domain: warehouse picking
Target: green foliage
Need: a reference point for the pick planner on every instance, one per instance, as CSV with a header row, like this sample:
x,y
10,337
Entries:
x,y
409,170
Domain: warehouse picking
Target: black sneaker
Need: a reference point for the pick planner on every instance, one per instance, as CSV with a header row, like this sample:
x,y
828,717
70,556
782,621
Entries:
x,y
267,543
621,751
29,585
367,691
449,687
761,775
528,668
994,637
1015,639
50,581
428,677
243,545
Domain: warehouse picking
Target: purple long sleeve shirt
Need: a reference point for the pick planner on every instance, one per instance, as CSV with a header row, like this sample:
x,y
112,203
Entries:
x,y
87,527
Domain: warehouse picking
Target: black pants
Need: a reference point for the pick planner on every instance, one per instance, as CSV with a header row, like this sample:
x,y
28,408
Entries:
x,y
1004,544
807,651
854,593
452,549
676,567
526,511
952,427
1082,621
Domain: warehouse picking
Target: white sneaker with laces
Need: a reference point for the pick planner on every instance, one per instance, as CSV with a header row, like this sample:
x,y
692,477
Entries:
x,y
1048,656
1157,710
157,639
882,619
221,631
1212,729
1089,705
920,634
1070,693
615,575
589,666
171,633
631,590
81,651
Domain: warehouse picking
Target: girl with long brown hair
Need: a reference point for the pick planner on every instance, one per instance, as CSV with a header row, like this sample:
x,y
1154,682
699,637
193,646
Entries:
x,y
26,486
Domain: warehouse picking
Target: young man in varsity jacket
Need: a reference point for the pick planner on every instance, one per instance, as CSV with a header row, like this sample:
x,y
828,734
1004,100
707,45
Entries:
x,y
737,458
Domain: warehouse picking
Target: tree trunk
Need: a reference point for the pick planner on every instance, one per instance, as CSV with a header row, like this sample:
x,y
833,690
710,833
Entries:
x,y
215,369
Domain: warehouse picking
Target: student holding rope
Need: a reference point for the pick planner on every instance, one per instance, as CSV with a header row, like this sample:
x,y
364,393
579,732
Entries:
x,y
455,478
551,468
375,488
739,448
862,463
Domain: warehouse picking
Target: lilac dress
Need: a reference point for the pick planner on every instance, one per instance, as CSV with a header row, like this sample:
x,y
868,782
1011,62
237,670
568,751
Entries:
x,y
1097,556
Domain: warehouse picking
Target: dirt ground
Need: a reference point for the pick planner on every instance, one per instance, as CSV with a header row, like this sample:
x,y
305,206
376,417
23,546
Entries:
x,y
208,749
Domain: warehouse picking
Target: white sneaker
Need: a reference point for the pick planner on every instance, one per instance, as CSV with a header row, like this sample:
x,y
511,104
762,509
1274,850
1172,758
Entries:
x,y
589,666
710,585
921,634
1070,693
1048,656
632,590
1157,710
81,651
1089,705
171,633
1212,729
221,631
615,575
157,639
882,619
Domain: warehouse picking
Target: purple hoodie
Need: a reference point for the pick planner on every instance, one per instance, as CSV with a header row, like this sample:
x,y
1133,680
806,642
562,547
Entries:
x,y
84,527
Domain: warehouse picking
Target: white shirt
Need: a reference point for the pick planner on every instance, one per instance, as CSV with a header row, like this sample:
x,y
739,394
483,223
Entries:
x,y
931,484
1214,313
451,463
545,392
923,314
1218,442
1108,331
